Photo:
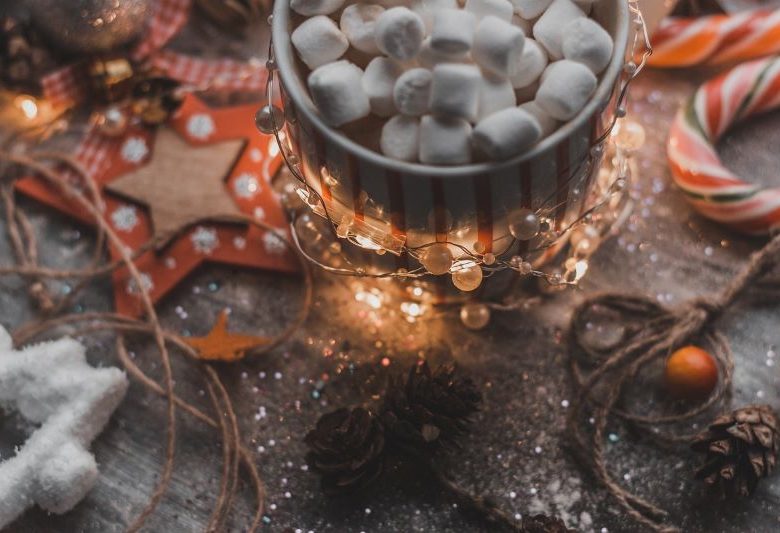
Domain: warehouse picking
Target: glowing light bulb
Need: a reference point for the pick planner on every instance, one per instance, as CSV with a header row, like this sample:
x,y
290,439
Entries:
x,y
466,275
437,259
27,105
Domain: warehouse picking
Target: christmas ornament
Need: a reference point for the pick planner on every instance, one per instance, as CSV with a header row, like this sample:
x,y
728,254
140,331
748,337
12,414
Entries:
x,y
237,176
232,14
23,57
52,387
177,204
710,187
90,26
347,448
716,39
71,85
221,345
741,448
691,373
428,408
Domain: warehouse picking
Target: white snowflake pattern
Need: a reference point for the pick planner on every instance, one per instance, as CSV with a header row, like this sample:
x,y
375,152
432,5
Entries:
x,y
200,126
146,283
125,218
204,240
134,150
273,244
256,155
246,185
259,213
239,243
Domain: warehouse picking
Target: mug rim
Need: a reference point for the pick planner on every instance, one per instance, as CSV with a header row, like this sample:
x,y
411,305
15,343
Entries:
x,y
285,62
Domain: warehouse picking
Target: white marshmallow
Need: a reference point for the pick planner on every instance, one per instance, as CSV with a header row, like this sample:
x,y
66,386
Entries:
x,y
412,92
494,95
427,8
566,88
358,22
453,31
547,123
429,58
548,30
586,42
337,92
315,7
378,83
498,46
444,141
506,133
498,8
399,33
401,138
318,41
526,25
530,65
530,9
455,91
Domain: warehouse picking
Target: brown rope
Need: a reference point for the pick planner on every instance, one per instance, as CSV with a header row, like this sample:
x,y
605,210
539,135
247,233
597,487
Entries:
x,y
23,242
652,332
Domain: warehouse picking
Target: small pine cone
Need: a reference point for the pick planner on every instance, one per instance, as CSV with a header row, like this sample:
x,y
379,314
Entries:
x,y
543,524
347,449
741,448
428,408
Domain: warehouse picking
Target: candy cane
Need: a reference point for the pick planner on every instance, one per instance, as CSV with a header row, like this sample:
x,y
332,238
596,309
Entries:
x,y
716,39
713,190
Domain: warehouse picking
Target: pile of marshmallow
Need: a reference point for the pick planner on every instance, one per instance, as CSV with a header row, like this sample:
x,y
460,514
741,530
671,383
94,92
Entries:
x,y
484,80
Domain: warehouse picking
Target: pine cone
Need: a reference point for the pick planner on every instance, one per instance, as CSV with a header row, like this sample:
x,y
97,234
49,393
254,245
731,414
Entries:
x,y
741,449
428,408
347,449
543,524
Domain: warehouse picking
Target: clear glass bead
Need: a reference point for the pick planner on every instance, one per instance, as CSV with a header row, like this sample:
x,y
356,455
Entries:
x,y
475,315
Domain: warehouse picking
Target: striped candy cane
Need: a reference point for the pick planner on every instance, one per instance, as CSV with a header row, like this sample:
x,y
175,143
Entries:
x,y
713,190
716,39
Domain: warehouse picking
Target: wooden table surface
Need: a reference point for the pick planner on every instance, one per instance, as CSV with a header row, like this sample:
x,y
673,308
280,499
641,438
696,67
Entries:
x,y
515,455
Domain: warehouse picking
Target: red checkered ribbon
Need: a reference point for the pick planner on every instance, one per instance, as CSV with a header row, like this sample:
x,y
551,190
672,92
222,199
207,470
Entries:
x,y
65,87
223,74
170,17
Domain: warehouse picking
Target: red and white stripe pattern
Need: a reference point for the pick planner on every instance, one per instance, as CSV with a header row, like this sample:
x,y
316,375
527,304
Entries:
x,y
64,87
716,39
168,19
420,206
711,188
222,74
93,154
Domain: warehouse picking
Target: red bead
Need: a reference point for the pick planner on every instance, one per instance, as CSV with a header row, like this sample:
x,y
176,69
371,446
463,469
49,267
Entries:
x,y
691,373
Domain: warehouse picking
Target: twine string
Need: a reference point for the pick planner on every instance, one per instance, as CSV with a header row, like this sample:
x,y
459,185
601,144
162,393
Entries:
x,y
24,244
652,333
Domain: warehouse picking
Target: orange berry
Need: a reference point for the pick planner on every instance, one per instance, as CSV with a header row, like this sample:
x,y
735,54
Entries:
x,y
691,373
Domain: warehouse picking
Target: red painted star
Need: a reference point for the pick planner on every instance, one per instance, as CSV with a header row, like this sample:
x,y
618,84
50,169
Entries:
x,y
188,187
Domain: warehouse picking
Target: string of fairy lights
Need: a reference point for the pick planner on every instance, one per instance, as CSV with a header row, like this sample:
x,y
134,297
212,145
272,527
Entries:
x,y
468,266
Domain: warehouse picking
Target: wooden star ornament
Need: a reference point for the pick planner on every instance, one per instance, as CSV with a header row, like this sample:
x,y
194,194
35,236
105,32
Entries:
x,y
221,345
178,185
191,187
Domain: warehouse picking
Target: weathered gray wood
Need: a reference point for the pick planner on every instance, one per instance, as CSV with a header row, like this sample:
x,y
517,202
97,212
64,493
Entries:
x,y
519,360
